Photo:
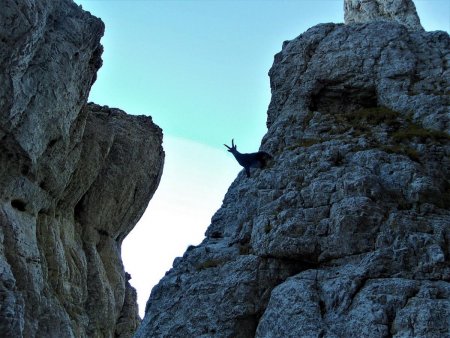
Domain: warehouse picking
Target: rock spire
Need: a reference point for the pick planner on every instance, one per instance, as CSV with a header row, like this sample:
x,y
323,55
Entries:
x,y
401,11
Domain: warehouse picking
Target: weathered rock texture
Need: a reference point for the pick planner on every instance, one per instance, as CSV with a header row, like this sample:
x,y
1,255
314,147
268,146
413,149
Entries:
x,y
402,11
74,179
347,233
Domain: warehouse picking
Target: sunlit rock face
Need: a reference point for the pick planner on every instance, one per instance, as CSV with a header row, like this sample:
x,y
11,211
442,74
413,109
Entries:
x,y
74,179
346,234
401,11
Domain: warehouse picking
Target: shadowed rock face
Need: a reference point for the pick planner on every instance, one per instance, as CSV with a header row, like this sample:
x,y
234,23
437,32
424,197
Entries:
x,y
74,179
347,233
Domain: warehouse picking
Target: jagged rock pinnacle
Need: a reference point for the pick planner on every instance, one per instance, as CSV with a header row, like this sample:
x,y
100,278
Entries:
x,y
401,11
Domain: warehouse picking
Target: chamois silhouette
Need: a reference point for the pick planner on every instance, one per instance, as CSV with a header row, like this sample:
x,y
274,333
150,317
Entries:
x,y
253,160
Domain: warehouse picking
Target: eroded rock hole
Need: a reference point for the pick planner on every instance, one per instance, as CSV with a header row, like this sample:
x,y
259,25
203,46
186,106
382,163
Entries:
x,y
18,204
79,209
25,170
102,232
52,143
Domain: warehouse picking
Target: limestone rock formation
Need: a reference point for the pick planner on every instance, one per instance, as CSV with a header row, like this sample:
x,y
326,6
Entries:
x,y
74,179
347,233
401,11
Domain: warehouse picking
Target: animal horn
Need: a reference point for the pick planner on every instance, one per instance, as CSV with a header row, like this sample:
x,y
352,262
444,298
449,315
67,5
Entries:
x,y
232,143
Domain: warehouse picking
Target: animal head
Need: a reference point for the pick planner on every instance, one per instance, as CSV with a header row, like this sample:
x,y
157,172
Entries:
x,y
233,148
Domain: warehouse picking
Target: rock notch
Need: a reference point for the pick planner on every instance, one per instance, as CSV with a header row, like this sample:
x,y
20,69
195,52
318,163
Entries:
x,y
74,179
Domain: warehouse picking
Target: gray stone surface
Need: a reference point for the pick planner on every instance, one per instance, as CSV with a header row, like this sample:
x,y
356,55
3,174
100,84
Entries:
x,y
346,234
401,11
74,179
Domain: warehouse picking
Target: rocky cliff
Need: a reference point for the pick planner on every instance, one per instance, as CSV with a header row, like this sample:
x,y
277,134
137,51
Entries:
x,y
347,233
74,179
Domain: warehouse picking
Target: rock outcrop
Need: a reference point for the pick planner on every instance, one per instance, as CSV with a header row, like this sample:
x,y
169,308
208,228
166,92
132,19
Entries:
x,y
74,179
401,11
347,233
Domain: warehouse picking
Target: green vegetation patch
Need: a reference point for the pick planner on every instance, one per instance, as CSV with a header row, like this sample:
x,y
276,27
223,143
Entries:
x,y
404,135
362,121
402,150
413,131
209,263
374,116
305,143
400,129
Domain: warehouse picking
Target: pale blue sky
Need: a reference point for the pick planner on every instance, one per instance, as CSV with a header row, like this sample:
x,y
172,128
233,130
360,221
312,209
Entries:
x,y
199,68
